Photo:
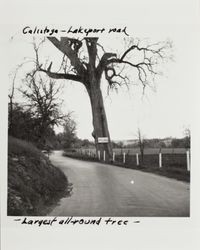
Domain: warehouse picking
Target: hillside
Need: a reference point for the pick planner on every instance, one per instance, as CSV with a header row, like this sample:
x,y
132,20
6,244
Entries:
x,y
34,184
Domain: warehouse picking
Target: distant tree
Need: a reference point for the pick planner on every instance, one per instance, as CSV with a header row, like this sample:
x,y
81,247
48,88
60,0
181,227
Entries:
x,y
178,143
43,102
85,143
141,143
79,143
115,144
10,110
161,144
23,124
69,137
26,126
119,145
187,138
11,102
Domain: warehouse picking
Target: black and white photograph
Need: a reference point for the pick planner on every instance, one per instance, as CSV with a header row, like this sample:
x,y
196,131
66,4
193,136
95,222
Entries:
x,y
65,161
99,121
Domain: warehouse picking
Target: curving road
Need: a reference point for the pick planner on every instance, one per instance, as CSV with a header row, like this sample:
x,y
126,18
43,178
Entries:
x,y
106,190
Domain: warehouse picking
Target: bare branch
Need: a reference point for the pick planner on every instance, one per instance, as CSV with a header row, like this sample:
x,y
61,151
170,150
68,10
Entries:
x,y
70,48
113,78
55,75
98,44
143,58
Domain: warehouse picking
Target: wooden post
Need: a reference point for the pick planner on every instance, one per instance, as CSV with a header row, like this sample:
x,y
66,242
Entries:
x,y
113,156
137,159
104,155
124,158
188,160
99,155
160,160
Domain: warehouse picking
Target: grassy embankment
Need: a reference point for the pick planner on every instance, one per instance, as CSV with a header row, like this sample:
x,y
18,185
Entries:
x,y
34,184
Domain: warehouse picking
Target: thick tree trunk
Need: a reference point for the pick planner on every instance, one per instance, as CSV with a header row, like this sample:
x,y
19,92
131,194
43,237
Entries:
x,y
90,75
99,120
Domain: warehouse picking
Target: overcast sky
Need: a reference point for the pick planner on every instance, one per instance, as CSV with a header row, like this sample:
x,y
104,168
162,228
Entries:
x,y
161,113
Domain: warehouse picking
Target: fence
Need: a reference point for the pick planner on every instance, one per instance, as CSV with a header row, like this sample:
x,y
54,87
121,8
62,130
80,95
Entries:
x,y
176,158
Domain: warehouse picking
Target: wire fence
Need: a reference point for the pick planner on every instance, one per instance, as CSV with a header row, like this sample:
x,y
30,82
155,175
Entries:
x,y
165,158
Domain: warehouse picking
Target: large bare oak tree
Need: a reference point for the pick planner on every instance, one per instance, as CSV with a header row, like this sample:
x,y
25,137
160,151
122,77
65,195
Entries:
x,y
89,70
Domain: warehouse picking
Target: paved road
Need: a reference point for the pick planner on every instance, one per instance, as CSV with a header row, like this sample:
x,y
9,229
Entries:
x,y
105,190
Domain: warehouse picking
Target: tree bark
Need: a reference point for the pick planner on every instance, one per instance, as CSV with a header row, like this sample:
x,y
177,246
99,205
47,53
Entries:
x,y
98,111
100,124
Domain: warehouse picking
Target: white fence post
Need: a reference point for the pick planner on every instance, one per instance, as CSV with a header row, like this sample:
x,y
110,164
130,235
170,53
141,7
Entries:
x,y
137,159
124,157
160,160
113,156
104,155
188,160
99,154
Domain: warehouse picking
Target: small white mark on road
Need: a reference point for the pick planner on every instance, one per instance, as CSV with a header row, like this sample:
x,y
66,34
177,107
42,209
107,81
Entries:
x,y
132,182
